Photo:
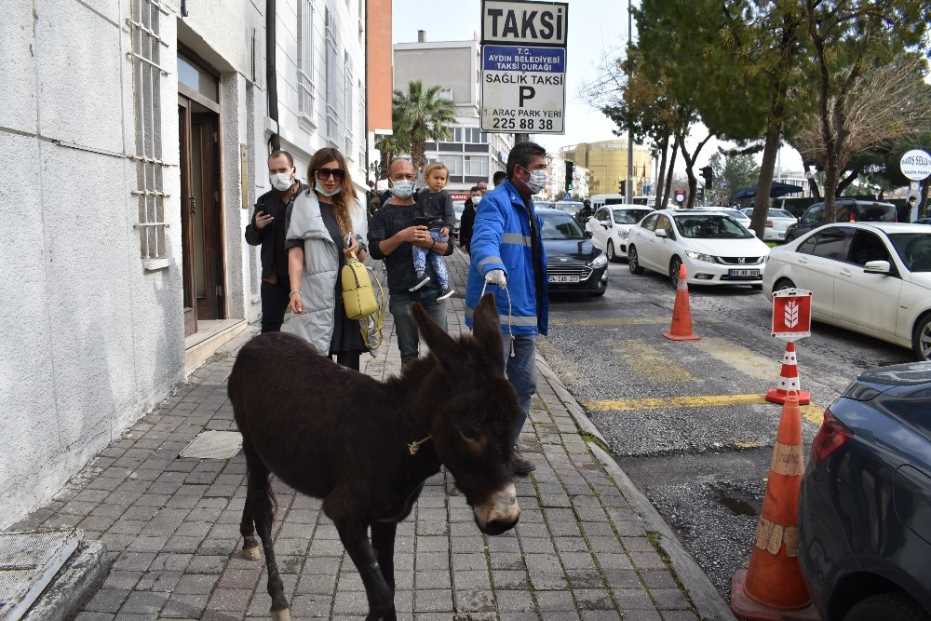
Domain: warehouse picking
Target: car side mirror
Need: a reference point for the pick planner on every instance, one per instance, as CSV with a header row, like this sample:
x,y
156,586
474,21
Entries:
x,y
661,233
877,267
588,234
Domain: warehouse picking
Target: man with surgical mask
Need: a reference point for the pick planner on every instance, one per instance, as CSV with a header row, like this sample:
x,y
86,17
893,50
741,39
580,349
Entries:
x,y
392,233
509,261
268,228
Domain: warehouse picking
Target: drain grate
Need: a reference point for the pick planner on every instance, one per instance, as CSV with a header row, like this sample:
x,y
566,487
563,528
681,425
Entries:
x,y
28,563
213,445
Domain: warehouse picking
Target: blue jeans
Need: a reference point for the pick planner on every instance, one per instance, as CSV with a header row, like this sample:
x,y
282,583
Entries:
x,y
522,373
436,260
400,306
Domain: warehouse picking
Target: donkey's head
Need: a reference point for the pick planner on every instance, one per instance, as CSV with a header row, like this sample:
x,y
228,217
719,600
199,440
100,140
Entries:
x,y
476,413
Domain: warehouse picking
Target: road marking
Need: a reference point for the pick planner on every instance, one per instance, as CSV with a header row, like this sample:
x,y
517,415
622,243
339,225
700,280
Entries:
x,y
812,413
649,362
617,322
740,358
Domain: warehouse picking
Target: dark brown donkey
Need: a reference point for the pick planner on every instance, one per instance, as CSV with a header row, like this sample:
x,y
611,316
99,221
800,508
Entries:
x,y
366,447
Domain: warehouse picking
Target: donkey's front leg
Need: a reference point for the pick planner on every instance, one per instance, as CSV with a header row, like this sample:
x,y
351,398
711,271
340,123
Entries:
x,y
383,535
381,598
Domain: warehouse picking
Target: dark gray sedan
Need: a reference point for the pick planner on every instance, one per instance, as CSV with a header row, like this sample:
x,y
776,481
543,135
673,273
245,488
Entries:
x,y
865,511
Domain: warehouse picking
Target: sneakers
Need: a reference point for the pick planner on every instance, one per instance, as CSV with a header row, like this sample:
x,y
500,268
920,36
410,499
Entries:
x,y
520,466
446,294
422,280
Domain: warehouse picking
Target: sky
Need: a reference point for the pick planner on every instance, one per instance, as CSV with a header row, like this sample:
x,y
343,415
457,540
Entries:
x,y
597,30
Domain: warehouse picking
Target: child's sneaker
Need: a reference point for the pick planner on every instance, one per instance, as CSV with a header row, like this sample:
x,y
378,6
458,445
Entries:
x,y
445,294
422,280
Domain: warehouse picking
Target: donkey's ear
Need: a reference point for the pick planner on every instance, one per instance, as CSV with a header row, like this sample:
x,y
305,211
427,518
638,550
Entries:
x,y
486,328
436,338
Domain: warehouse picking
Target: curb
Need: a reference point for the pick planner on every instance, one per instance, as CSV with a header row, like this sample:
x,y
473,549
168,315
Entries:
x,y
74,584
708,602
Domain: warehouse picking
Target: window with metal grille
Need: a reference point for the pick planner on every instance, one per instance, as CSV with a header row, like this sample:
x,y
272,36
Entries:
x,y
347,105
305,59
333,83
145,55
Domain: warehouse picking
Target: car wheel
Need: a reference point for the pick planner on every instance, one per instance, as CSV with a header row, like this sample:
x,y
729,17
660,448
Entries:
x,y
897,606
783,283
674,264
633,261
921,337
609,252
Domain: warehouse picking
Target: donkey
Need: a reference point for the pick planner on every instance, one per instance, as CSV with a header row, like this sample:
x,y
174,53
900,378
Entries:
x,y
366,447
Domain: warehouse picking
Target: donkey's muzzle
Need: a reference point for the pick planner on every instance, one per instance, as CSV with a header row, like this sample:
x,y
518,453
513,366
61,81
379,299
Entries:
x,y
499,513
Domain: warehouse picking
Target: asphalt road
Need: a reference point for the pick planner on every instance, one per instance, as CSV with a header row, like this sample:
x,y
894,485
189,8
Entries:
x,y
686,420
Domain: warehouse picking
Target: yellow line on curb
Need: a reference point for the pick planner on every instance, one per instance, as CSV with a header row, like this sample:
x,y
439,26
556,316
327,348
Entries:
x,y
612,321
812,413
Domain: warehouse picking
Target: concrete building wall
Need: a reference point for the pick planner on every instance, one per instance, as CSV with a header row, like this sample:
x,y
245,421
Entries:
x,y
607,161
91,339
380,61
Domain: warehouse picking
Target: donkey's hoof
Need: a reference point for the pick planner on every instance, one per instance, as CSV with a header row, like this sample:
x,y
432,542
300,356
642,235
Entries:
x,y
252,554
282,615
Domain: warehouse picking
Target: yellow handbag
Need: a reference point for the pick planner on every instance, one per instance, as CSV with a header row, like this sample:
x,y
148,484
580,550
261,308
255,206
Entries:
x,y
358,296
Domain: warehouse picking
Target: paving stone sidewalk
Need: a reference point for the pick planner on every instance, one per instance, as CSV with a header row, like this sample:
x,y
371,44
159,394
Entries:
x,y
171,527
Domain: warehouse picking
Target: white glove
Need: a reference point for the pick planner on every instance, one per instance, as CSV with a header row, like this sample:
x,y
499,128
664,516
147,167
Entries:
x,y
496,277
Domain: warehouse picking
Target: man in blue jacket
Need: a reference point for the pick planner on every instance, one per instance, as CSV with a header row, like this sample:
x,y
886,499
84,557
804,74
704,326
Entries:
x,y
507,257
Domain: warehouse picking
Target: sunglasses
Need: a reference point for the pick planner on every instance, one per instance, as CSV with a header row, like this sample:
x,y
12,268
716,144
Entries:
x,y
333,173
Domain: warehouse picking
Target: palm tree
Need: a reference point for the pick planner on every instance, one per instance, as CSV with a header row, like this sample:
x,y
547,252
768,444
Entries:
x,y
420,116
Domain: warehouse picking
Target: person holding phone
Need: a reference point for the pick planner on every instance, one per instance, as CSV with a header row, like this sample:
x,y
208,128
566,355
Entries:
x,y
326,225
267,229
393,234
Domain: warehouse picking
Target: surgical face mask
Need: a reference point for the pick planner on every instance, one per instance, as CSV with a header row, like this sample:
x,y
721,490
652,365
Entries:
x,y
328,193
403,188
537,180
281,181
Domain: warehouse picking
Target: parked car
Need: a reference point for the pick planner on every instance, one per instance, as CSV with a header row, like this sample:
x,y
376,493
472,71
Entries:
x,y
715,248
610,227
863,211
732,212
873,278
865,506
570,207
778,222
574,265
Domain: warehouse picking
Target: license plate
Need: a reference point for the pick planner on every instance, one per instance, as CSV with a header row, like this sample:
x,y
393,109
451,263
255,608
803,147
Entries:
x,y
744,273
555,278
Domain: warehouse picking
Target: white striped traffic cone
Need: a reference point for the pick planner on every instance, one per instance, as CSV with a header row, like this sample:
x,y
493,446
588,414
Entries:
x,y
788,380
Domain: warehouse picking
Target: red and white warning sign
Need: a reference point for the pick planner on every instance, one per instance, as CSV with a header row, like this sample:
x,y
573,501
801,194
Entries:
x,y
791,314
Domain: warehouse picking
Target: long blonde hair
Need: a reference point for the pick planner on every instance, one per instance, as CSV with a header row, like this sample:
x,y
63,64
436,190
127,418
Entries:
x,y
348,192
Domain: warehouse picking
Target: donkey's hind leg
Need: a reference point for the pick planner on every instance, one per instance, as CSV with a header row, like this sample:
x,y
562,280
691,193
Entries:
x,y
261,505
250,545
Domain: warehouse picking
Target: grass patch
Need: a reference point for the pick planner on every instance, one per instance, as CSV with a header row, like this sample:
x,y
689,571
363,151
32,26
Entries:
x,y
593,439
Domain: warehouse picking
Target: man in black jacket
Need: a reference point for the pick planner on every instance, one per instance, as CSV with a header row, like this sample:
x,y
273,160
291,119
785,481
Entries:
x,y
468,217
268,227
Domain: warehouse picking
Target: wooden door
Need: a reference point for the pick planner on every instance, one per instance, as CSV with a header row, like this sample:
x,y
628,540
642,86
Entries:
x,y
209,266
188,208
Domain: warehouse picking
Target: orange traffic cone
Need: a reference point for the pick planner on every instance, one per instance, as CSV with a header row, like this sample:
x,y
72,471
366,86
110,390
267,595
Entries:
x,y
774,583
788,380
681,328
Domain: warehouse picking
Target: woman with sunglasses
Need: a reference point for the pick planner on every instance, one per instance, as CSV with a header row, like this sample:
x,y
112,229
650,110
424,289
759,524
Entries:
x,y
327,223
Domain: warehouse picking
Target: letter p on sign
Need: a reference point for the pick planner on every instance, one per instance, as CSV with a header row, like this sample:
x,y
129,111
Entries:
x,y
791,314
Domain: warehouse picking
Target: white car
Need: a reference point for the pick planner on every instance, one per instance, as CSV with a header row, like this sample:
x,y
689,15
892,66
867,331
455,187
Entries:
x,y
734,213
778,222
873,278
714,247
610,227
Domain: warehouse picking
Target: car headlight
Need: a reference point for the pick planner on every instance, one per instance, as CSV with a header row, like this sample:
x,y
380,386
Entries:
x,y
599,261
698,256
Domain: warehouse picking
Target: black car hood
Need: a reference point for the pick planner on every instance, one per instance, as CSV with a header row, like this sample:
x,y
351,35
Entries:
x,y
579,249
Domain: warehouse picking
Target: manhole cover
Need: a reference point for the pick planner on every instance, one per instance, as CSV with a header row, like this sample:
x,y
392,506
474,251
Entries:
x,y
28,562
213,445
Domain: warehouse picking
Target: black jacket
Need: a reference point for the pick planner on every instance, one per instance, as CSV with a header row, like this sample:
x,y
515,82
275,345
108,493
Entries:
x,y
465,225
272,237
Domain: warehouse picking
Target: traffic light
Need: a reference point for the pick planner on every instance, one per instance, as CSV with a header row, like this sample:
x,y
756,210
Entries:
x,y
708,175
570,168
621,186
